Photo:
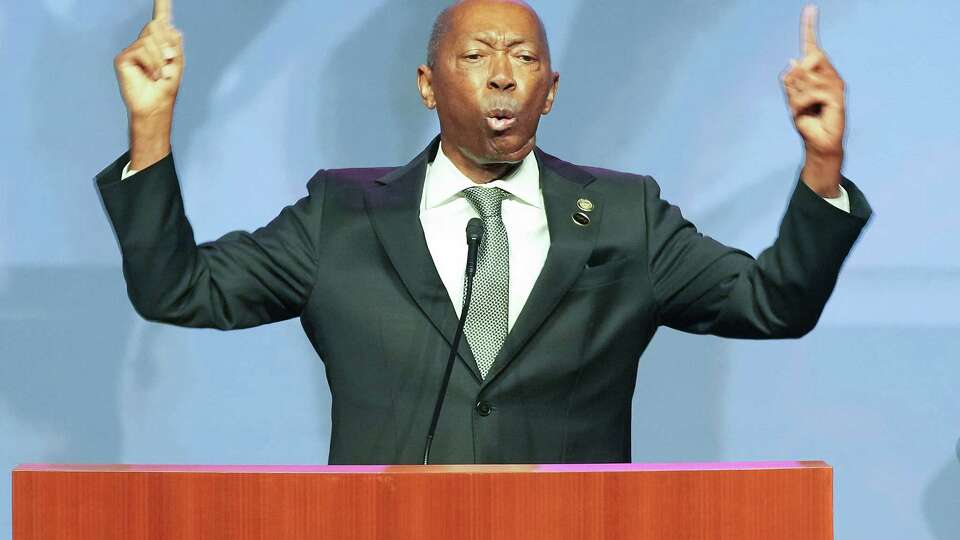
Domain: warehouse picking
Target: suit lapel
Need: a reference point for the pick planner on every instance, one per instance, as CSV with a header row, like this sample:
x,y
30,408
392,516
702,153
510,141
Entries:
x,y
562,185
394,210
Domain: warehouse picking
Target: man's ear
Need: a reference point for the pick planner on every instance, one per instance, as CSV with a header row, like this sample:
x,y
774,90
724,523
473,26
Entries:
x,y
552,93
425,84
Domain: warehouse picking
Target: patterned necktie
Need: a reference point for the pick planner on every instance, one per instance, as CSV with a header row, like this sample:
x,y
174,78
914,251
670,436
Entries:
x,y
486,325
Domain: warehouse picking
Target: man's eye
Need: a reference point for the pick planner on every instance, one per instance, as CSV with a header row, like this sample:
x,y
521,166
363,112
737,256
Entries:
x,y
473,56
527,58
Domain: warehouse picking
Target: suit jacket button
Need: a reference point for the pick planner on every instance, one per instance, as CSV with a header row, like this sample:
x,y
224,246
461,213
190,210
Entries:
x,y
484,408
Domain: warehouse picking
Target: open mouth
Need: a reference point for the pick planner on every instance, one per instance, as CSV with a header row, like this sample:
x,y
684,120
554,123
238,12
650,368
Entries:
x,y
500,119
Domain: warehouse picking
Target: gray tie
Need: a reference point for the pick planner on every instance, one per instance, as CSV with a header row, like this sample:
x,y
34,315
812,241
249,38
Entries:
x,y
486,325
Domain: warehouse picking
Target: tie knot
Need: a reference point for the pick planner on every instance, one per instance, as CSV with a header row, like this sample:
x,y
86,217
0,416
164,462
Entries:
x,y
487,201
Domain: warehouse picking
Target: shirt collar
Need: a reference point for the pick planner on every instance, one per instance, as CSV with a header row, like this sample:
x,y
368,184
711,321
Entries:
x,y
444,182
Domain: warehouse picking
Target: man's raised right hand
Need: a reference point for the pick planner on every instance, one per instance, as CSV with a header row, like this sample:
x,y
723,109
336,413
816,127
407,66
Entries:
x,y
149,73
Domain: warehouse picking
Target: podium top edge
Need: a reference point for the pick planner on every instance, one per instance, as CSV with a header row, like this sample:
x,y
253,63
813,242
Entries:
x,y
467,468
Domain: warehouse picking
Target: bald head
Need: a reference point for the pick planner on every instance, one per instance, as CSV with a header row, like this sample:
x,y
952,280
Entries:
x,y
488,76
444,23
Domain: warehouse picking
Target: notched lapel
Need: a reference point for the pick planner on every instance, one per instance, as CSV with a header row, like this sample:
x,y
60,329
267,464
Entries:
x,y
563,185
394,210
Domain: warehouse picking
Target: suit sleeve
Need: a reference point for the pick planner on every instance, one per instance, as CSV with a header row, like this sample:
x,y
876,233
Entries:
x,y
241,280
704,287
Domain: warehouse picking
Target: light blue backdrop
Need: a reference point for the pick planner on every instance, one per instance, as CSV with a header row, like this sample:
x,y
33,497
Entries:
x,y
684,90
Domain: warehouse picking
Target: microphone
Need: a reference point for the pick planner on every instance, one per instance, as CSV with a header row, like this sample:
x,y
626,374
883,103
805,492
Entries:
x,y
474,235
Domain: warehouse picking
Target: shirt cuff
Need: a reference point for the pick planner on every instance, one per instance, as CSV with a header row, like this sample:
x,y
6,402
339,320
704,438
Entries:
x,y
842,201
128,172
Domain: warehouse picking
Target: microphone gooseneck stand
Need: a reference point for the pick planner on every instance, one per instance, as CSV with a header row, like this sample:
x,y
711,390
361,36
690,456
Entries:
x,y
474,234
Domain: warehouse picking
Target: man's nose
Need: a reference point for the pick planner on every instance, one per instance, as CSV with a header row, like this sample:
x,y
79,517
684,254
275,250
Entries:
x,y
501,75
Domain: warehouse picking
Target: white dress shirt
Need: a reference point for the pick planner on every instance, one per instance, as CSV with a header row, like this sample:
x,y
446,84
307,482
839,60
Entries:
x,y
444,213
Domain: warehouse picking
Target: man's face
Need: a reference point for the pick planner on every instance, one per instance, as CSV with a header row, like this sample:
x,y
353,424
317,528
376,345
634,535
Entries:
x,y
491,81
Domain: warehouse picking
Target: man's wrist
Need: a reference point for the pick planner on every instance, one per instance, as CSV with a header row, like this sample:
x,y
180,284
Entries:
x,y
821,173
149,140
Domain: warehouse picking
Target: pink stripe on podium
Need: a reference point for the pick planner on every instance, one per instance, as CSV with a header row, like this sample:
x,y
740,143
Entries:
x,y
377,469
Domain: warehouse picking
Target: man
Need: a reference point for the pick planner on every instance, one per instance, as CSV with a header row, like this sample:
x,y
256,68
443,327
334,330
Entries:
x,y
578,266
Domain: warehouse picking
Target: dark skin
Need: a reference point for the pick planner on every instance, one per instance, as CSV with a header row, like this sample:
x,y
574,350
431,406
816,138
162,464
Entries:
x,y
490,84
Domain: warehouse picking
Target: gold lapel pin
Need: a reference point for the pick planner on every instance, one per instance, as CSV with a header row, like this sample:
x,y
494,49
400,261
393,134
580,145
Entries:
x,y
585,204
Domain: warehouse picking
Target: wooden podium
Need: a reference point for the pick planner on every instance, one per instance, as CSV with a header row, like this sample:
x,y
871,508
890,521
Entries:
x,y
742,501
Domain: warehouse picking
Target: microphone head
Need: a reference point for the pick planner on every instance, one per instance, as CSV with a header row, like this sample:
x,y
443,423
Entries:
x,y
474,230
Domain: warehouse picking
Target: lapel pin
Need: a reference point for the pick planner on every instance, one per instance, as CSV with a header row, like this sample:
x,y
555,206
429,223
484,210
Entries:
x,y
585,204
581,219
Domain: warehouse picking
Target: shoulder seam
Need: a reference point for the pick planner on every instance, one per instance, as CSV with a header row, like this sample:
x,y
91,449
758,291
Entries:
x,y
320,178
646,223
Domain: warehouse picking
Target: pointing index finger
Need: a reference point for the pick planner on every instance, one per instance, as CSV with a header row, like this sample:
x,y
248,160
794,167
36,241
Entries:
x,y
808,29
162,10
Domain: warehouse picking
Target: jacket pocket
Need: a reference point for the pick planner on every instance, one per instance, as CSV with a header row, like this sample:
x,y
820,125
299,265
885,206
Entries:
x,y
606,273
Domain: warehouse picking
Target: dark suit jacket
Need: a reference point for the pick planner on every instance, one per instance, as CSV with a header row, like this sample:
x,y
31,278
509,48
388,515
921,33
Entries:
x,y
351,261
